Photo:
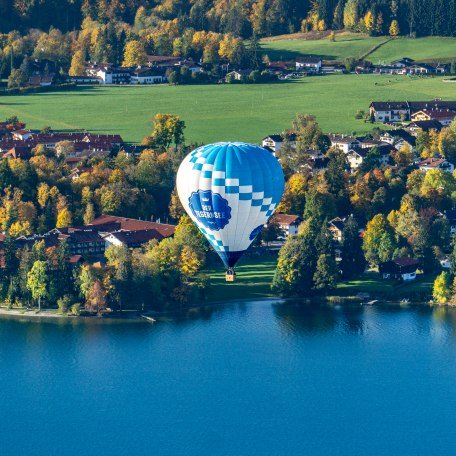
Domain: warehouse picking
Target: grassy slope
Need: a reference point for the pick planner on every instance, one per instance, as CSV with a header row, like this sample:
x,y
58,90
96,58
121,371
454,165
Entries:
x,y
346,45
422,49
220,112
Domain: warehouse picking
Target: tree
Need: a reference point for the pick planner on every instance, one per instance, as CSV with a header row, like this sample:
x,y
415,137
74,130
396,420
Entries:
x,y
89,214
17,79
64,148
134,54
85,281
378,241
404,156
447,142
326,273
295,266
96,300
190,261
77,67
64,218
369,22
351,15
353,261
394,28
442,291
37,281
168,129
270,232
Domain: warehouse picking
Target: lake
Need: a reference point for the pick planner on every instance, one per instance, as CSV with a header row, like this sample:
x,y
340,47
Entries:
x,y
258,378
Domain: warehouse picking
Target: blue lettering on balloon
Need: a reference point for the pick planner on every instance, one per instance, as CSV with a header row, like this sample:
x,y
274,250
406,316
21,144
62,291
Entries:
x,y
210,209
255,232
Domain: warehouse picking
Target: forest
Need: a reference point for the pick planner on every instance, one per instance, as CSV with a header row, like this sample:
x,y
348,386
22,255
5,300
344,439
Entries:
x,y
66,34
242,18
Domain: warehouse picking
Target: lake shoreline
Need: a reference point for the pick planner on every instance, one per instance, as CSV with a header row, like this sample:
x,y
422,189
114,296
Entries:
x,y
47,314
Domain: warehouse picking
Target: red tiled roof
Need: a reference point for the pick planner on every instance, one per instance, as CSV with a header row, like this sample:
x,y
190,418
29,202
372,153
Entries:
x,y
432,162
285,219
129,224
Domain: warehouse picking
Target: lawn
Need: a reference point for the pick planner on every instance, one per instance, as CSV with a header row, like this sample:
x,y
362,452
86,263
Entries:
x,y
437,49
253,279
346,45
371,283
431,49
221,112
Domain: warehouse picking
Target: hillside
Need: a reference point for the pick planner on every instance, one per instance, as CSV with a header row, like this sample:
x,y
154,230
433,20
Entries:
x,y
221,112
357,45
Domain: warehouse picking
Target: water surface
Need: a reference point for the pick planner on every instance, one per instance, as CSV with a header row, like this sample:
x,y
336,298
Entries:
x,y
263,378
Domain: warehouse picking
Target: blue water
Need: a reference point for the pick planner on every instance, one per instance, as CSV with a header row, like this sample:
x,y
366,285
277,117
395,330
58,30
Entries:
x,y
262,378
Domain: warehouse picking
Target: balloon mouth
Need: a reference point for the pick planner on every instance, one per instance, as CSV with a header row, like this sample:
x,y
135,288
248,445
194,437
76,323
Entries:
x,y
230,258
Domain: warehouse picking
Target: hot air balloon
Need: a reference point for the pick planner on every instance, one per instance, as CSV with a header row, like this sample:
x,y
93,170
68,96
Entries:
x,y
230,190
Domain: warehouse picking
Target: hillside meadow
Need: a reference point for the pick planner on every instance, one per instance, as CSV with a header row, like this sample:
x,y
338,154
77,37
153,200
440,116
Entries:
x,y
432,49
221,112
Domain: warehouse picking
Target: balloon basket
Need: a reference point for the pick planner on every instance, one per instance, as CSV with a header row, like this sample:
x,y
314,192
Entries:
x,y
230,275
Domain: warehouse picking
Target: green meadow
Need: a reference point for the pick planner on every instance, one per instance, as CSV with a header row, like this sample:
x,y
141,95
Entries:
x,y
221,112
430,49
253,279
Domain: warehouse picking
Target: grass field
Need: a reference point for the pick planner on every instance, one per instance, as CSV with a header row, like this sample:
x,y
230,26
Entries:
x,y
346,45
221,112
351,45
255,274
253,279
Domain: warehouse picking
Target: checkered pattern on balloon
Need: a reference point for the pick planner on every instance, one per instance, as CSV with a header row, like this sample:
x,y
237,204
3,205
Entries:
x,y
230,190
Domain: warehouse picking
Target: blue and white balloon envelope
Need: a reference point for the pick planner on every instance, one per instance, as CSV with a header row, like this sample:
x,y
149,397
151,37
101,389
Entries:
x,y
230,190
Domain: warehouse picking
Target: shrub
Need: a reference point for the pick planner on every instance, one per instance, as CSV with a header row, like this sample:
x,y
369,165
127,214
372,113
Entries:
x,y
75,309
64,304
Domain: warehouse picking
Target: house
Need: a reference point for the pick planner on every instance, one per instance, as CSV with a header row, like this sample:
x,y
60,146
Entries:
x,y
390,111
237,75
272,142
146,76
402,63
343,142
83,79
445,262
444,116
421,68
398,138
21,135
41,80
288,223
275,142
436,163
310,64
387,111
131,239
336,228
76,173
425,125
357,155
110,74
332,69
84,242
401,268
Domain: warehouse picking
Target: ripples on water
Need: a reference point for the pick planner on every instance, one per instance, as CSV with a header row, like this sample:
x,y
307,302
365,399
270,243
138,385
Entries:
x,y
255,379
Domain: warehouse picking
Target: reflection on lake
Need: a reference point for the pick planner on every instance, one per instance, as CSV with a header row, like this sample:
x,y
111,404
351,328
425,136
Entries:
x,y
260,378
